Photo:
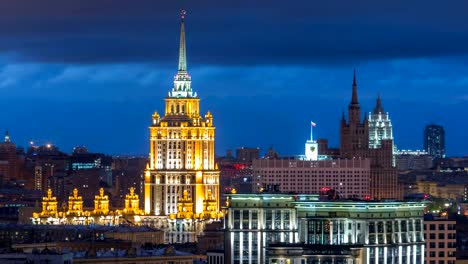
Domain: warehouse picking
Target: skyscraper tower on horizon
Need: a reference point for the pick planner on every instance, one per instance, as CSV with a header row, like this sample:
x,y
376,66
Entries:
x,y
354,134
434,140
380,125
182,179
354,144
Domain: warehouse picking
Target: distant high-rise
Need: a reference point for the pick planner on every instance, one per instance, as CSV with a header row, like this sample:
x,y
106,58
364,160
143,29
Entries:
x,y
8,160
434,140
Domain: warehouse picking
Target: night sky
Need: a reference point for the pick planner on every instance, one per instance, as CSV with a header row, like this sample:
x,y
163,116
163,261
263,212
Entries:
x,y
92,72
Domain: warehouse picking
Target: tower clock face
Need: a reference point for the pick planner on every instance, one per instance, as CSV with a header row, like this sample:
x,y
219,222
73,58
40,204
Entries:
x,y
312,148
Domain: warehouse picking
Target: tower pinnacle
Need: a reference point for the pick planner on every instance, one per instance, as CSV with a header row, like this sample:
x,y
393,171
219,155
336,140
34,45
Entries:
x,y
182,54
7,136
182,80
378,106
354,99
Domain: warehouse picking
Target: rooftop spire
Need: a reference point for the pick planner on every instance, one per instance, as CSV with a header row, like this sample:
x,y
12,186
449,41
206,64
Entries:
x,y
182,55
182,80
7,136
354,78
378,106
354,99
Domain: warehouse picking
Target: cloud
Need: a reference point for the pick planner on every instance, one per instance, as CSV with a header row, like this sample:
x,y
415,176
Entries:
x,y
241,33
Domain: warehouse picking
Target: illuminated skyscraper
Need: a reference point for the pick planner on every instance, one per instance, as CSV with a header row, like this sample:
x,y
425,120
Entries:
x,y
434,141
380,126
181,179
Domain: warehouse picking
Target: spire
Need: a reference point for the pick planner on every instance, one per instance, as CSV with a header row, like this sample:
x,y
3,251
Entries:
x,y
378,106
182,80
354,78
354,99
7,136
182,55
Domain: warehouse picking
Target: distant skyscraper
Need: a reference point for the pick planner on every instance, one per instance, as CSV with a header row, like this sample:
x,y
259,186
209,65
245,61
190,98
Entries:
x,y
380,126
182,180
354,134
8,160
434,140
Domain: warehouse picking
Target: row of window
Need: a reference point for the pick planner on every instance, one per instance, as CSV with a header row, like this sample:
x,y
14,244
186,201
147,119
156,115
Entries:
x,y
441,236
440,226
442,245
315,172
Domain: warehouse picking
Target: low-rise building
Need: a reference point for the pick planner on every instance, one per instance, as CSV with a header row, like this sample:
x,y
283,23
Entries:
x,y
290,228
441,239
349,177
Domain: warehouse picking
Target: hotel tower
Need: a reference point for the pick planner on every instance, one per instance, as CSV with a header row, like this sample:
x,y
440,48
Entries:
x,y
182,179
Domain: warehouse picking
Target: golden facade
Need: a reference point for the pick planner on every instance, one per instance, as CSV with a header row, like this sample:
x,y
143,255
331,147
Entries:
x,y
182,180
49,205
101,203
132,203
76,214
75,204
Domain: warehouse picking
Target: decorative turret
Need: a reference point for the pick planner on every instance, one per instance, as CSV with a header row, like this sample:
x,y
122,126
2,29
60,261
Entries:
x,y
132,203
49,205
101,203
209,119
75,204
156,118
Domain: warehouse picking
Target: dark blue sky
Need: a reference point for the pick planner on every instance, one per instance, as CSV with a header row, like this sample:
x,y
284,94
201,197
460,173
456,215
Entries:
x,y
92,72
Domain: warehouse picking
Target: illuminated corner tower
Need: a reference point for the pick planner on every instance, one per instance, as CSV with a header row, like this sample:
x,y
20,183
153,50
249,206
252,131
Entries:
x,y
181,165
380,126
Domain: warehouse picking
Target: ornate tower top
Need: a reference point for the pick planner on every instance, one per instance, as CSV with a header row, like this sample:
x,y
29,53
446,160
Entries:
x,y
354,109
354,99
182,56
7,137
182,80
378,106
